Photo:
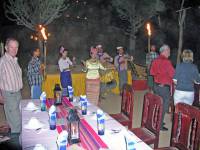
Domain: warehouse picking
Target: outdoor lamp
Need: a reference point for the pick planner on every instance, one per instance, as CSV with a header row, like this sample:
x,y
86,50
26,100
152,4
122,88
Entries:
x,y
57,94
73,122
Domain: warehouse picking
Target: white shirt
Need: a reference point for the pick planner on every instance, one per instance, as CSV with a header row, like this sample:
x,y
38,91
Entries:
x,y
64,63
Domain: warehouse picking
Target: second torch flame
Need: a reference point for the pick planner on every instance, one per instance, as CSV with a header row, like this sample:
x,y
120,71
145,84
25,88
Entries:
x,y
149,29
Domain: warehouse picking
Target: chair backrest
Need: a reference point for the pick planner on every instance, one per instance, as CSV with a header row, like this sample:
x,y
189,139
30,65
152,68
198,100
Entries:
x,y
152,113
127,101
186,127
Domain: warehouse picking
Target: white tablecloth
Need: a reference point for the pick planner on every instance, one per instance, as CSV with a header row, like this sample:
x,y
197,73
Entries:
x,y
47,137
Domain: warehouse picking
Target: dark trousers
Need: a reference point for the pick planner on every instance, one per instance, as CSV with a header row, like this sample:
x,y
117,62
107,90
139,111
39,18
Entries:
x,y
164,92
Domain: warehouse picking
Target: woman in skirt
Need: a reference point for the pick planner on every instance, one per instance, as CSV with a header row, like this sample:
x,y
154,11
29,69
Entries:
x,y
93,66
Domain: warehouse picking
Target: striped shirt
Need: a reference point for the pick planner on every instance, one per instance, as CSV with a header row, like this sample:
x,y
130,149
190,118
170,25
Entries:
x,y
34,75
150,57
10,74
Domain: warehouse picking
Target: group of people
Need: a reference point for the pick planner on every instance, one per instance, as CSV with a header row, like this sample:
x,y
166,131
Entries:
x,y
162,77
96,62
159,67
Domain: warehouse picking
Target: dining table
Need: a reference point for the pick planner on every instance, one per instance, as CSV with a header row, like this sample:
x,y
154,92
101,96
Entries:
x,y
114,137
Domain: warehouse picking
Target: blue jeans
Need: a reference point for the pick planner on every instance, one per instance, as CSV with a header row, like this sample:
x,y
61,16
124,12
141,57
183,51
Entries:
x,y
35,91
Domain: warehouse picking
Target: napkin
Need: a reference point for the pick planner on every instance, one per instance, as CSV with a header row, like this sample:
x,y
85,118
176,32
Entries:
x,y
33,124
39,147
31,106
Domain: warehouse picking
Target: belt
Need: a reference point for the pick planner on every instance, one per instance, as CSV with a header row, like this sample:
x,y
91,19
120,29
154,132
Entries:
x,y
162,85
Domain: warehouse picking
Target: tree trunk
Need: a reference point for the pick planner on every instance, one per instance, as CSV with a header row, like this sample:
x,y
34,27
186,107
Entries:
x,y
132,41
180,42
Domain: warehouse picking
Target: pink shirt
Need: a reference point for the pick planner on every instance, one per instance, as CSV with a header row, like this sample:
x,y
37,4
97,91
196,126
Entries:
x,y
10,74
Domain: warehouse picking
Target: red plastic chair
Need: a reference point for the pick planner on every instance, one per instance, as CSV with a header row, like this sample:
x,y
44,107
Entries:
x,y
125,117
186,128
151,120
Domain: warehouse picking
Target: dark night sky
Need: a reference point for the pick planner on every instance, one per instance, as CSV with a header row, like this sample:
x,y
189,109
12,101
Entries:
x,y
4,21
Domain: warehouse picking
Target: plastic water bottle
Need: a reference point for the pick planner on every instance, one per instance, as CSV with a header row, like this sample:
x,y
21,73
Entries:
x,y
52,121
84,107
100,122
43,104
62,146
62,140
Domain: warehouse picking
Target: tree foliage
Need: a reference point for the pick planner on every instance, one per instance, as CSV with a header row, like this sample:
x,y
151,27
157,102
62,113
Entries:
x,y
30,13
136,12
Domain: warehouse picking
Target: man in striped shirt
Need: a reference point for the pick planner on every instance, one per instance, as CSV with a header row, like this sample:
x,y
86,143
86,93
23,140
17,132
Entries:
x,y
11,84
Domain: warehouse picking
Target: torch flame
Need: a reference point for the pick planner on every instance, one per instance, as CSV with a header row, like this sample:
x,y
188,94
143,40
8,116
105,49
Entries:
x,y
149,29
43,33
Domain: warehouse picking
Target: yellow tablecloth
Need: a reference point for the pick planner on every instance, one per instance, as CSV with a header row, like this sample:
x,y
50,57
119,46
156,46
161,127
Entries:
x,y
78,83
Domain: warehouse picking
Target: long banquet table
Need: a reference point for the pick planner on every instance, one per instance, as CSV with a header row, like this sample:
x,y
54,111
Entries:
x,y
88,129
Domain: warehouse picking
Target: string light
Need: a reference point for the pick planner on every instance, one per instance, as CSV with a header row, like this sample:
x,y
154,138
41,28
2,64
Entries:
x,y
77,17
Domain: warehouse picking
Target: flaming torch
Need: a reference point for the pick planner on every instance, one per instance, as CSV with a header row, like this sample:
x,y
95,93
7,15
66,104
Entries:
x,y
148,27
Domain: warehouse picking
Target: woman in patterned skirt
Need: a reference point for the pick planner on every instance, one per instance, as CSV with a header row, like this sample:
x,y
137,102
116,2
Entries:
x,y
93,66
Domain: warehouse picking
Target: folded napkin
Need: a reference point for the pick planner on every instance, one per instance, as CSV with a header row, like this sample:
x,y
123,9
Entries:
x,y
31,106
39,147
33,124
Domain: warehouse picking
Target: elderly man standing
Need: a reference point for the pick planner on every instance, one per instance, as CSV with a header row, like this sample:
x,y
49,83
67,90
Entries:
x,y
163,72
11,84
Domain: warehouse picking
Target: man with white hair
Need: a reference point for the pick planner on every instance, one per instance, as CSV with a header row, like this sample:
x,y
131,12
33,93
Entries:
x,y
103,56
11,85
163,72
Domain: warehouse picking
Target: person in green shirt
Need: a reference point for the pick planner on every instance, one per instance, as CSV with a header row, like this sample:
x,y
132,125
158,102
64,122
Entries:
x,y
93,66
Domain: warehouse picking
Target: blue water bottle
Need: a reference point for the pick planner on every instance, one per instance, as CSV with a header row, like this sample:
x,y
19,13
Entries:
x,y
52,117
62,140
52,121
84,107
43,101
71,93
100,122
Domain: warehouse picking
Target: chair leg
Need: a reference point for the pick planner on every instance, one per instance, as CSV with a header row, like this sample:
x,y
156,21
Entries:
x,y
156,143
